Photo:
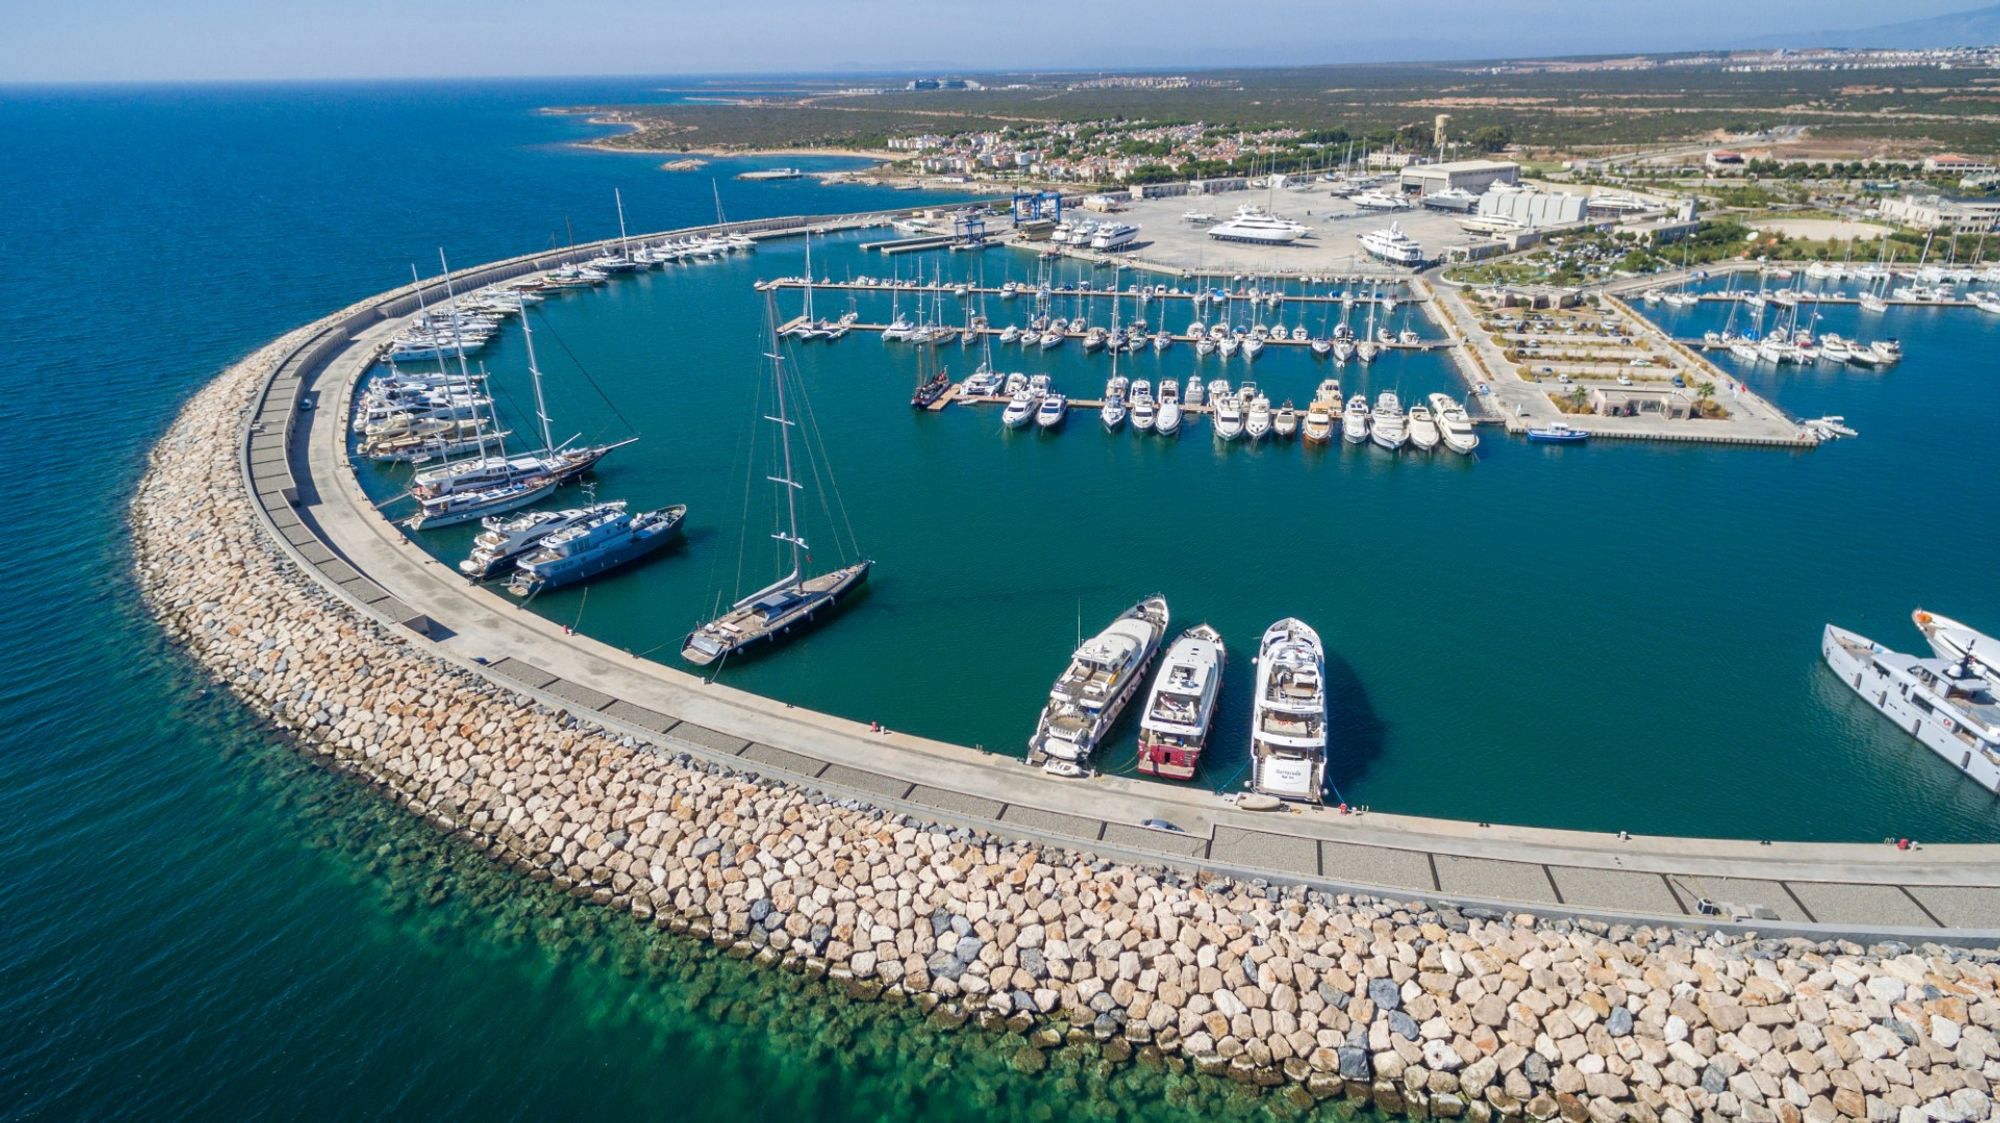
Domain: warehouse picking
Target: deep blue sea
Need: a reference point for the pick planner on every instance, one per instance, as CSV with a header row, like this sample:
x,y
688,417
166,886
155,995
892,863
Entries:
x,y
198,922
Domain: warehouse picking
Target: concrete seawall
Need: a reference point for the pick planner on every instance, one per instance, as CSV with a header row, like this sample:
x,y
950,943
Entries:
x,y
962,882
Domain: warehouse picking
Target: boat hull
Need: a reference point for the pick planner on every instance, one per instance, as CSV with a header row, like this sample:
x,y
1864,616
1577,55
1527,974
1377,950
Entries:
x,y
1929,727
826,592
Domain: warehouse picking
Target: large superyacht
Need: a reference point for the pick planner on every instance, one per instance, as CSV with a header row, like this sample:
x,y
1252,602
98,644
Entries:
x,y
597,545
1288,718
1103,675
1945,703
1174,726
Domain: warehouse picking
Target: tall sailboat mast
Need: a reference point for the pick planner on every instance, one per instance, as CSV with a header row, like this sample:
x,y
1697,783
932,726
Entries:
x,y
458,346
784,423
535,374
624,250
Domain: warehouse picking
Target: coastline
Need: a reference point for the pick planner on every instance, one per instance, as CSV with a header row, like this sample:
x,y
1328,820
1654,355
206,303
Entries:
x,y
1272,986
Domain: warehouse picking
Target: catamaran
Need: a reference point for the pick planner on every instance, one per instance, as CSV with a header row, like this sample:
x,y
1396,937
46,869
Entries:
x,y
795,600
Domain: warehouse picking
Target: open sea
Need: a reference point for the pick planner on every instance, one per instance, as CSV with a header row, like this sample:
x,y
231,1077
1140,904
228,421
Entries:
x,y
1606,637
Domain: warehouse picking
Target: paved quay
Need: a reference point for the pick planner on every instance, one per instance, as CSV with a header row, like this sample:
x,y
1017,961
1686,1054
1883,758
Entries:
x,y
979,891
1790,885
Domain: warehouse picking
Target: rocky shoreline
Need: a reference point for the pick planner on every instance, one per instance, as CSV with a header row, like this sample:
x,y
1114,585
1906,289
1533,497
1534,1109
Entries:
x,y
1430,1012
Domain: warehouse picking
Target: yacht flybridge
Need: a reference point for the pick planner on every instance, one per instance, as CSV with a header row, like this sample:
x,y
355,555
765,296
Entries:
x,y
1101,678
795,600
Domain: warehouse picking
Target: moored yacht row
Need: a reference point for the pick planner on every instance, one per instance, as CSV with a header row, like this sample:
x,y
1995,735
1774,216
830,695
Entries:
x,y
1288,726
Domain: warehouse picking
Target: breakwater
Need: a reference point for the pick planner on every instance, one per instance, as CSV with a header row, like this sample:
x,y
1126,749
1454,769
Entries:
x,y
1430,1010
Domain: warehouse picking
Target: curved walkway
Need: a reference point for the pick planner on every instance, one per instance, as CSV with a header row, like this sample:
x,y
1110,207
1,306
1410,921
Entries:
x,y
294,454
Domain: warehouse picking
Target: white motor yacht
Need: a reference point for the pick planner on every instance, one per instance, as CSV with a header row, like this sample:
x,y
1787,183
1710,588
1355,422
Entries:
x,y
1288,717
1354,420
1020,410
1945,703
1257,419
1389,428
1102,676
1454,426
1168,421
1953,640
1424,433
1228,417
1050,413
1180,708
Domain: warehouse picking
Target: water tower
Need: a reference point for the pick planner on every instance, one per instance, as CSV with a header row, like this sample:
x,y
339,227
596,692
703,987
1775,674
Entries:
x,y
1438,131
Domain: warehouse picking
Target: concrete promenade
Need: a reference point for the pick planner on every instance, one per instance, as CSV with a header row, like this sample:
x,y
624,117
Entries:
x,y
296,460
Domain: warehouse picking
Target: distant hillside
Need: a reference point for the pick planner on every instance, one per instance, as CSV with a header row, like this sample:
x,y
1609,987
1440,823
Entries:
x,y
1974,28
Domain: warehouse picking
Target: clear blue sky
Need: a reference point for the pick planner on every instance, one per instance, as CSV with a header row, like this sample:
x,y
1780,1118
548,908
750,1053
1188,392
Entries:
x,y
109,40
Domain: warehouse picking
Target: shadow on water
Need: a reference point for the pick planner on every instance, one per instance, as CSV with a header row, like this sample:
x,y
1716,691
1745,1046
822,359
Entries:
x,y
1355,734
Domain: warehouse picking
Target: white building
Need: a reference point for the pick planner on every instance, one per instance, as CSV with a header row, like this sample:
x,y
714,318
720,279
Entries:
x,y
1466,175
1530,208
1935,212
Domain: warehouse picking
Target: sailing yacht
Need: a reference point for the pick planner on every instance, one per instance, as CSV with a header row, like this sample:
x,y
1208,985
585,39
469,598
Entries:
x,y
1454,426
1103,675
795,600
1288,717
1174,726
494,483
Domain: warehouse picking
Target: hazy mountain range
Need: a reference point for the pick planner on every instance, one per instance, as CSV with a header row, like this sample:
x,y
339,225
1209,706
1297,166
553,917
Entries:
x,y
1977,27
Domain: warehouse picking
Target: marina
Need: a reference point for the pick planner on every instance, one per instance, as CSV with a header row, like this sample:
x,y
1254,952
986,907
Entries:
x,y
1529,707
1426,396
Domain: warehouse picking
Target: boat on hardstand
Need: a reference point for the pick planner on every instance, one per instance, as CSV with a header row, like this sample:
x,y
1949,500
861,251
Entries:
x,y
1945,703
1953,640
503,540
795,600
1102,676
597,545
1288,716
1174,726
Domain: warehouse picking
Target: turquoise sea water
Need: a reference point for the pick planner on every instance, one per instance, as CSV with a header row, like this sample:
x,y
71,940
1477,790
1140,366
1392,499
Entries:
x,y
199,923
